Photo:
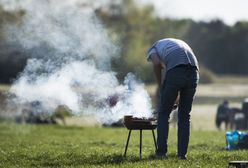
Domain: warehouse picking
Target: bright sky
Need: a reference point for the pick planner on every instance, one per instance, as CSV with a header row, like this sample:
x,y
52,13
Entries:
x,y
229,11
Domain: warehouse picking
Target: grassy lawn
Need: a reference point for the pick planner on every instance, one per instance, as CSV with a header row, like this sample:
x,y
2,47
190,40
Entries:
x,y
71,146
4,87
215,93
57,146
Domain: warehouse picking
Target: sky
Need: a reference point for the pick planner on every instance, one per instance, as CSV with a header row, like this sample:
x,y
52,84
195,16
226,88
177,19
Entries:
x,y
230,11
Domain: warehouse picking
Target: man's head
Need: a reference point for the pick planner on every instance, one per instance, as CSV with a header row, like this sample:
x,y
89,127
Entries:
x,y
152,51
154,57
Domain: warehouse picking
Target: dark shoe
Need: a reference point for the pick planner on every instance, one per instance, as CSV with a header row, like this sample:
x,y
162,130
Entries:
x,y
161,157
182,157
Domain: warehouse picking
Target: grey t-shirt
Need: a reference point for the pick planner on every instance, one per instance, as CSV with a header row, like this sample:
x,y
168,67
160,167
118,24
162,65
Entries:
x,y
173,52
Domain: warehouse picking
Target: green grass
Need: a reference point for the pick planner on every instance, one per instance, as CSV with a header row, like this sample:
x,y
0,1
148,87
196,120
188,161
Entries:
x,y
234,79
57,146
4,87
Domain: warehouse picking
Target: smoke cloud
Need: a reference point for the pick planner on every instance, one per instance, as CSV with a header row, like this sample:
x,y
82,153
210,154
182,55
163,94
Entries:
x,y
69,62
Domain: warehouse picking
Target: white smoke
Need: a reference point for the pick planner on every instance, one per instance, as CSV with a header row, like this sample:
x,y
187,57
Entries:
x,y
70,62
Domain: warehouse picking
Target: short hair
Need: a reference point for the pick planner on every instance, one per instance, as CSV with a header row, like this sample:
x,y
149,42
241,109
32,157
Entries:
x,y
151,51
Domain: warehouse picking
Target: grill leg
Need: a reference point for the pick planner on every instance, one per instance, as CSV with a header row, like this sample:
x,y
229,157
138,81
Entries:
x,y
140,144
155,143
129,134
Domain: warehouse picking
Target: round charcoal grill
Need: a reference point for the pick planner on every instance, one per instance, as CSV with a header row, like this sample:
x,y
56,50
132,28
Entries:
x,y
134,123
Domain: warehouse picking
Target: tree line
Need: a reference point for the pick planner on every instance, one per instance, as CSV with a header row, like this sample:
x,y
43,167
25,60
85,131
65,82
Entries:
x,y
220,48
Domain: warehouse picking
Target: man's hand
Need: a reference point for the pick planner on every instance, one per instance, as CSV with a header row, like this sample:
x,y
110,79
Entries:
x,y
178,98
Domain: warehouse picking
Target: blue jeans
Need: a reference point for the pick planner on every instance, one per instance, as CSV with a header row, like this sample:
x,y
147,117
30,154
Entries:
x,y
183,79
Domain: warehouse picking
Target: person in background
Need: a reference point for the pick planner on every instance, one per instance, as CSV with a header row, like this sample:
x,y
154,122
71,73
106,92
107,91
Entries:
x,y
181,76
222,114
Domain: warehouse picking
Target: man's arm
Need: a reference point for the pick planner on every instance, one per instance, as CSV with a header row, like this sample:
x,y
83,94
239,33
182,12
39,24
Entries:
x,y
157,68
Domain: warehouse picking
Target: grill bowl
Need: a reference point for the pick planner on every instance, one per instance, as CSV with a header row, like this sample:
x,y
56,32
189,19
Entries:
x,y
139,123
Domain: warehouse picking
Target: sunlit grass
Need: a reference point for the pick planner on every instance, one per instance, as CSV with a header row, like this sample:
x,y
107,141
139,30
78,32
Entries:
x,y
4,87
56,146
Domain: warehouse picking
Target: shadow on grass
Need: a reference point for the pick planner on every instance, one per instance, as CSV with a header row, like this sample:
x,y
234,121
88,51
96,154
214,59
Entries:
x,y
72,159
205,147
114,159
90,160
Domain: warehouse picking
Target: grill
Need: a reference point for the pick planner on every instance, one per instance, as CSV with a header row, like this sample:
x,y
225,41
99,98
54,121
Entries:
x,y
134,123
